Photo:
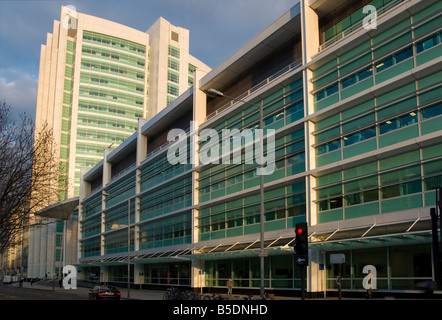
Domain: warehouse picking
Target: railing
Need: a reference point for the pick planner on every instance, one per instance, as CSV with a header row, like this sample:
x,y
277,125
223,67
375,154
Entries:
x,y
357,25
166,144
263,83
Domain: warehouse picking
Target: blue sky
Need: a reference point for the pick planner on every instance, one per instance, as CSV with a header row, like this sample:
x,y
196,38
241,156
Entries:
x,y
217,29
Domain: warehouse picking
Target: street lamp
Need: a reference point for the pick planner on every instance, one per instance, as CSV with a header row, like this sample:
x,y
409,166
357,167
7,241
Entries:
x,y
214,92
128,242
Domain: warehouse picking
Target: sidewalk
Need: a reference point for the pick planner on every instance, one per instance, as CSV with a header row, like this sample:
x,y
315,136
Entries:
x,y
135,294
143,294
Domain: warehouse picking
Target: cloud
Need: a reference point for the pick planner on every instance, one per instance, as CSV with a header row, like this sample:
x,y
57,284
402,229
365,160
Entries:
x,y
217,29
20,93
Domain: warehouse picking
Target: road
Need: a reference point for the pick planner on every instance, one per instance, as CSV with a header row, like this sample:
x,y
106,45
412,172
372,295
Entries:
x,y
9,292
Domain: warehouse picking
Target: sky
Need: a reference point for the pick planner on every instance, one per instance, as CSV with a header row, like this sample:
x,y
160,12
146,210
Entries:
x,y
217,29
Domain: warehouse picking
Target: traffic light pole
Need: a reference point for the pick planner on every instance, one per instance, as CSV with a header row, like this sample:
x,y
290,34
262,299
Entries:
x,y
303,276
301,250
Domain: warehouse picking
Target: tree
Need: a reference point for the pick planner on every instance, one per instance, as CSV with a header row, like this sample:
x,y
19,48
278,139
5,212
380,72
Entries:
x,y
28,176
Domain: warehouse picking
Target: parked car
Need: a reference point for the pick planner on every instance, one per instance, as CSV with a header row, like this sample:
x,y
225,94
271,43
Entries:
x,y
104,292
7,279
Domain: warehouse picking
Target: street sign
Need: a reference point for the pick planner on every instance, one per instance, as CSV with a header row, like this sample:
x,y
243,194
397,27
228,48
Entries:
x,y
301,260
337,258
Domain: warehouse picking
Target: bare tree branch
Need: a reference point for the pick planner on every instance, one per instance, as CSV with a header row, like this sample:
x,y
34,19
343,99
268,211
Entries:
x,y
28,176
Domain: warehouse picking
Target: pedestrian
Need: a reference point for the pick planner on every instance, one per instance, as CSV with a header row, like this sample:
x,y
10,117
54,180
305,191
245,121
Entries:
x,y
60,282
229,287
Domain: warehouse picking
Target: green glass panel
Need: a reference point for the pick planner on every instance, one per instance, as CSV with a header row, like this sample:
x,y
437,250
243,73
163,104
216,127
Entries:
x,y
332,215
328,158
359,148
394,71
402,203
399,160
398,136
362,210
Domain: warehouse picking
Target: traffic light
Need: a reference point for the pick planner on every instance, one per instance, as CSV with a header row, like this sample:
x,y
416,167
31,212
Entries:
x,y
301,240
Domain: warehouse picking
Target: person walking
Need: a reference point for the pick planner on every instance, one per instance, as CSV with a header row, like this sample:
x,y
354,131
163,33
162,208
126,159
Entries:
x,y
229,287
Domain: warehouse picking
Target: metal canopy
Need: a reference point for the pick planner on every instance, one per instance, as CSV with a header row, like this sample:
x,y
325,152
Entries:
x,y
219,251
418,231
60,210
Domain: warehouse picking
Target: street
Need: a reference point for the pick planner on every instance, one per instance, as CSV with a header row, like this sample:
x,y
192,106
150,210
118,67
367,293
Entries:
x,y
10,292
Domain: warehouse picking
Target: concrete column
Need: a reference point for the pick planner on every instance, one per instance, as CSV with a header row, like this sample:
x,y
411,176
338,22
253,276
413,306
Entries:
x,y
310,31
104,275
138,273
310,46
107,171
141,155
199,115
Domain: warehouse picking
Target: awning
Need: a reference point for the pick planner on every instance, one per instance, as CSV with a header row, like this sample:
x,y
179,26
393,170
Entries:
x,y
220,251
153,257
245,249
60,210
418,231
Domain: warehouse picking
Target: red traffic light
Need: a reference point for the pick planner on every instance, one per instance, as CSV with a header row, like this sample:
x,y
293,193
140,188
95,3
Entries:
x,y
299,231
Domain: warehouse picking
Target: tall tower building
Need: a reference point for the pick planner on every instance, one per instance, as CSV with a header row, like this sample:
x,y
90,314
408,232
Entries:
x,y
96,79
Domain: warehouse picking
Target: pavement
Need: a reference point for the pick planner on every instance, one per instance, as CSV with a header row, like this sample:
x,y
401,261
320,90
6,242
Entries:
x,y
144,294
134,294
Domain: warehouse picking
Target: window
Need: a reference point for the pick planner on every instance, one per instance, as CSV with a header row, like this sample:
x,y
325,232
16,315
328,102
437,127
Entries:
x,y
397,123
394,59
404,54
297,106
329,204
173,76
361,197
297,158
329,147
356,77
174,64
427,43
172,89
431,111
401,189
384,64
174,51
234,180
359,136
191,68
273,118
332,89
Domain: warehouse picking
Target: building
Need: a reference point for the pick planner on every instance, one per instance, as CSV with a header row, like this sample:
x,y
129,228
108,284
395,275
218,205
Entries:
x,y
96,79
356,109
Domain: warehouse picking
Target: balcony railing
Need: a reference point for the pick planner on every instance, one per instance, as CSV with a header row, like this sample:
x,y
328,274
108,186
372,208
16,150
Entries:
x,y
286,69
344,33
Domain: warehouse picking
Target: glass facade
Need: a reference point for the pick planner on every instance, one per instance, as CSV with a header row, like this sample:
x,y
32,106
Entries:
x,y
356,138
112,95
397,268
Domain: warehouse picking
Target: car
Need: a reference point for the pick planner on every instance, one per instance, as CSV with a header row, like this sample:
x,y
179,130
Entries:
x,y
104,292
7,279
